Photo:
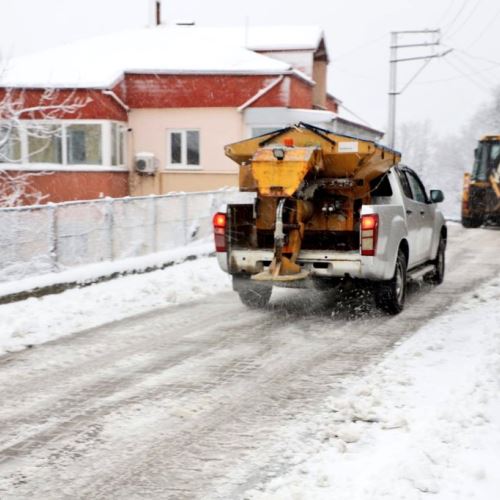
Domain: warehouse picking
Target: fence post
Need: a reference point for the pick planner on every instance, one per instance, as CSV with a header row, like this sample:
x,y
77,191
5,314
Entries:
x,y
154,223
110,224
54,236
185,217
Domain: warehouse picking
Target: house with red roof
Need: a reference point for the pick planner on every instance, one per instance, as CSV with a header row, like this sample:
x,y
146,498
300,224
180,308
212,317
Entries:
x,y
149,111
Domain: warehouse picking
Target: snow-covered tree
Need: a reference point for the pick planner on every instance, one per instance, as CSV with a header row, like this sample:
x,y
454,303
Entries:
x,y
442,160
17,108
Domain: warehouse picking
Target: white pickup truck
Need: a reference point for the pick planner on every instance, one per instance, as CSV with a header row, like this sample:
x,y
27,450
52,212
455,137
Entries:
x,y
400,235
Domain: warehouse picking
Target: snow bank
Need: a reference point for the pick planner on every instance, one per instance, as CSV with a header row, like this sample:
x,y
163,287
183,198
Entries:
x,y
425,421
37,320
93,272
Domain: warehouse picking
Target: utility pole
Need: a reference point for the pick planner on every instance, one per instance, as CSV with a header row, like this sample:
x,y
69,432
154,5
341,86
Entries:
x,y
430,38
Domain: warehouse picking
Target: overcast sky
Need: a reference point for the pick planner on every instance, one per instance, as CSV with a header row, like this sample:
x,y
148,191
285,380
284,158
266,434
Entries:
x,y
447,91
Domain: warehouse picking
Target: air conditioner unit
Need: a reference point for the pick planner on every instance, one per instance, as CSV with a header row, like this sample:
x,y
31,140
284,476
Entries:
x,y
145,163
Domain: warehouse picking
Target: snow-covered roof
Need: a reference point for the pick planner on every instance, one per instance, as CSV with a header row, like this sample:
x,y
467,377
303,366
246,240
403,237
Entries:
x,y
101,61
263,38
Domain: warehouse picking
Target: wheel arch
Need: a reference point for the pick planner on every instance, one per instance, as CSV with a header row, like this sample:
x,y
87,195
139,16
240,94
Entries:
x,y
444,233
405,248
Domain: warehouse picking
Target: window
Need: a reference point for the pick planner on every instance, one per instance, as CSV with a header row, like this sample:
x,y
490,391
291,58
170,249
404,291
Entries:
x,y
487,157
44,143
381,186
117,144
64,142
404,183
83,144
10,145
416,187
184,148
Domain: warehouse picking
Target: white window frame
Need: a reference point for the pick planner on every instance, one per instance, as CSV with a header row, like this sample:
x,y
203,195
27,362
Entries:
x,y
106,145
121,127
183,165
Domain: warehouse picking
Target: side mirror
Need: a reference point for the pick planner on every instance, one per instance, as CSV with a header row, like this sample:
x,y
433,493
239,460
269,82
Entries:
x,y
437,196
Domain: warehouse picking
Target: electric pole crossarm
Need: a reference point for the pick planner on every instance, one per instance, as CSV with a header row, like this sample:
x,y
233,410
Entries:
x,y
415,45
408,32
420,58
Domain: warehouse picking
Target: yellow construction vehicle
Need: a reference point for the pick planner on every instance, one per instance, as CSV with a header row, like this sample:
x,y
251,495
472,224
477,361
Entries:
x,y
328,207
481,193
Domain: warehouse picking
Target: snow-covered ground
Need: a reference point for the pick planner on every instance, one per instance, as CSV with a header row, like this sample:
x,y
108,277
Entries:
x,y
425,421
91,273
37,320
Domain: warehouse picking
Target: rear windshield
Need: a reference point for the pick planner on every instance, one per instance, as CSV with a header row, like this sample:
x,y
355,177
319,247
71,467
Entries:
x,y
380,186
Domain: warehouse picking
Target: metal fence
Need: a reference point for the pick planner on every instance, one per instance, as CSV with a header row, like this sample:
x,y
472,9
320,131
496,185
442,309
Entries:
x,y
49,238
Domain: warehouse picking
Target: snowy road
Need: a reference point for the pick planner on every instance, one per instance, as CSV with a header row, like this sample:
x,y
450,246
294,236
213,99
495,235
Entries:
x,y
203,400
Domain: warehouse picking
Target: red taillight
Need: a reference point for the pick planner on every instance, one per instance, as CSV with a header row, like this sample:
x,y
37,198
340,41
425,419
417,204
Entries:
x,y
369,234
220,231
220,220
288,142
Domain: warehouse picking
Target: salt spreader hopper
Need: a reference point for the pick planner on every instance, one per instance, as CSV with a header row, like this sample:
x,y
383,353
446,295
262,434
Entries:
x,y
310,184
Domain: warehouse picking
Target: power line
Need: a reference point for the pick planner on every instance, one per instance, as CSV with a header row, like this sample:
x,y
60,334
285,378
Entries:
x,y
465,75
460,10
429,39
474,68
445,12
485,29
359,47
439,80
358,76
342,105
466,20
473,56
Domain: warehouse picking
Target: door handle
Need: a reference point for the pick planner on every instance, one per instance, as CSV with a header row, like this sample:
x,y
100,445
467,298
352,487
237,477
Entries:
x,y
409,212
422,212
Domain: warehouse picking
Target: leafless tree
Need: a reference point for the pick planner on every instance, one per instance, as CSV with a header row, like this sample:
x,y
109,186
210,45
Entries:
x,y
43,107
442,160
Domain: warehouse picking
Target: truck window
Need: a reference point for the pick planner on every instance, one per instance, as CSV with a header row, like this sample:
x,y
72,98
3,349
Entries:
x,y
380,186
417,187
480,170
404,184
495,155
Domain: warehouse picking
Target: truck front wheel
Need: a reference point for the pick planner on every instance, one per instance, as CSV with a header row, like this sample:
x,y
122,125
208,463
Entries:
x,y
255,296
390,295
437,276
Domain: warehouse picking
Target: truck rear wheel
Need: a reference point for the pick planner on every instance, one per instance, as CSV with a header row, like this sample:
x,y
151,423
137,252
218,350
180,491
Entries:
x,y
390,295
255,296
471,222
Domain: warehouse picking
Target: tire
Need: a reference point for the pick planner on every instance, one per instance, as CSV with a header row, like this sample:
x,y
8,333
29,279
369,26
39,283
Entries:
x,y
471,222
437,276
255,296
390,295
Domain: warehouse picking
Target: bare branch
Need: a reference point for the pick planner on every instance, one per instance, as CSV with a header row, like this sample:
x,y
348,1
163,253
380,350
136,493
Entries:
x,y
34,113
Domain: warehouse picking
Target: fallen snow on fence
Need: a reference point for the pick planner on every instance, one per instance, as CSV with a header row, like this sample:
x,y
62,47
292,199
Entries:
x,y
56,237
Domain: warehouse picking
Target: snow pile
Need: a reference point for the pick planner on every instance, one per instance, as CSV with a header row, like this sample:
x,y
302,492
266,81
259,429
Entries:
x,y
425,421
94,272
37,320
